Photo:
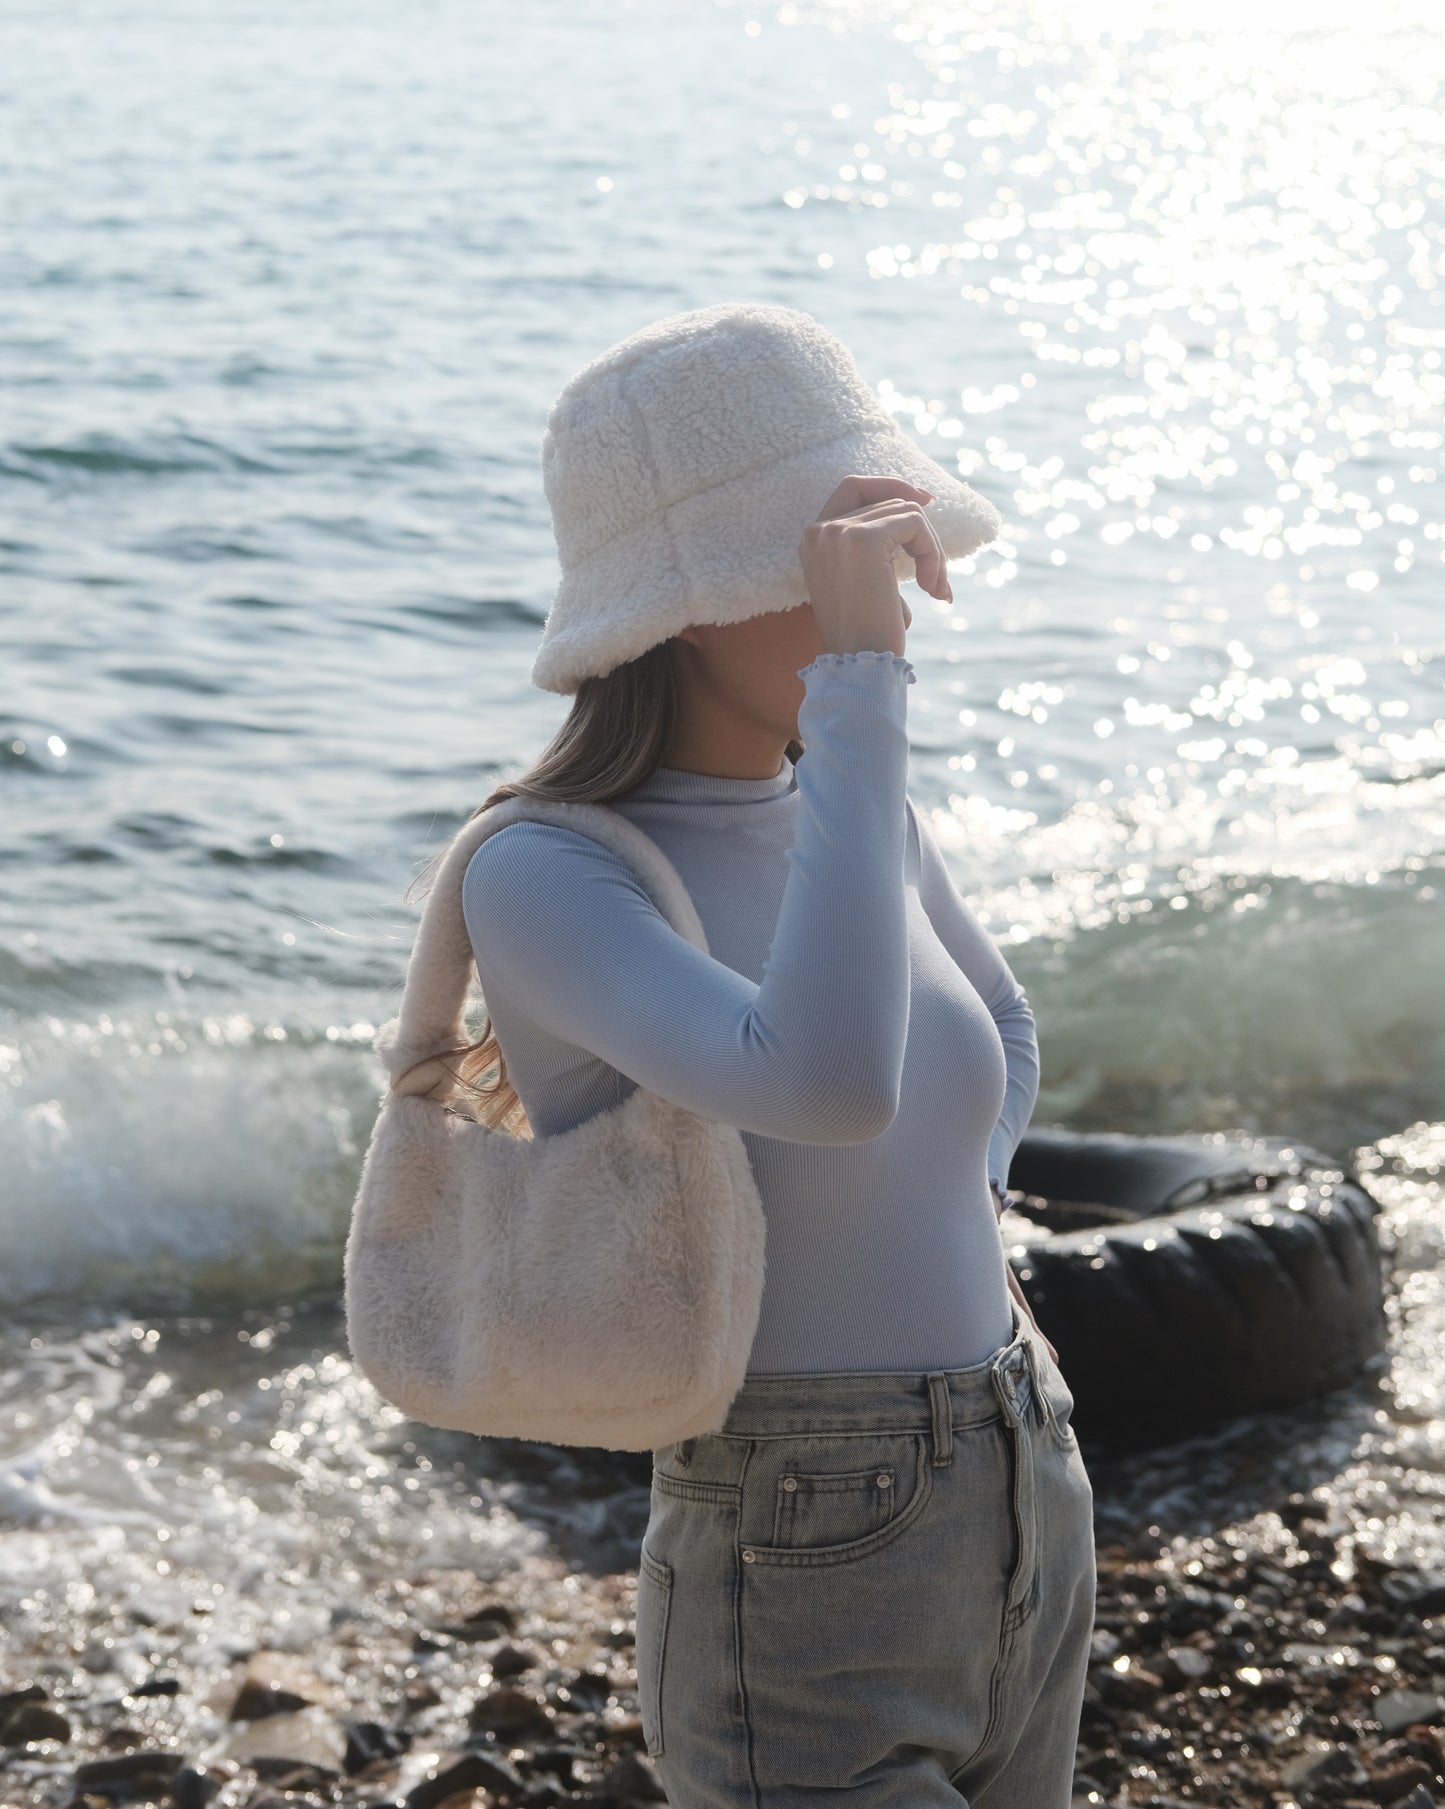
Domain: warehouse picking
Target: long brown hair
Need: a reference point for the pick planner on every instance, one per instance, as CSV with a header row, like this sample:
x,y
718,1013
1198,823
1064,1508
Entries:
x,y
615,735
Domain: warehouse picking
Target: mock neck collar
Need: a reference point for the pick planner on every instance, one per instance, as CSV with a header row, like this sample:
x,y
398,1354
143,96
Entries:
x,y
675,785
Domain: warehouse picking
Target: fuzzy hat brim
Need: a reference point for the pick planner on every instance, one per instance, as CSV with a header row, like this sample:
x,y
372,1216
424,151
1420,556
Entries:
x,y
748,577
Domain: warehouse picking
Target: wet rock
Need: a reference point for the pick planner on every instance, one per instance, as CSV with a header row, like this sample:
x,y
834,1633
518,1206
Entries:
x,y
558,1760
511,1711
157,1686
288,1776
29,1721
123,1733
423,1641
1398,1708
491,1621
633,1776
309,1736
10,1700
1391,1753
1315,1761
1421,1592
277,1683
1346,1611
1191,1608
1427,1743
368,1741
131,1774
1184,1665
511,1661
1345,1771
193,1787
1399,1781
471,1771
586,1693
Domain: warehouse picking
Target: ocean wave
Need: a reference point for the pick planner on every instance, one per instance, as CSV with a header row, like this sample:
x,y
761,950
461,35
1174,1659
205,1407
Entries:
x,y
109,455
173,1160
163,1163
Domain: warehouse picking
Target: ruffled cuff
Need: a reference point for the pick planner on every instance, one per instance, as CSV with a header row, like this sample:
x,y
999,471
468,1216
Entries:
x,y
865,655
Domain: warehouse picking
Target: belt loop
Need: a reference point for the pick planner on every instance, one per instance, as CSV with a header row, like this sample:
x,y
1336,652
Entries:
x,y
1042,1408
685,1451
942,1417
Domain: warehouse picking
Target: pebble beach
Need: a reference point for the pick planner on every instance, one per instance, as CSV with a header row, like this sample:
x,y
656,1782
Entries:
x,y
1242,1675
452,1619
284,300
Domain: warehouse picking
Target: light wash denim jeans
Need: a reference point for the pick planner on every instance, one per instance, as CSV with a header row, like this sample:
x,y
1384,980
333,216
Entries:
x,y
875,1589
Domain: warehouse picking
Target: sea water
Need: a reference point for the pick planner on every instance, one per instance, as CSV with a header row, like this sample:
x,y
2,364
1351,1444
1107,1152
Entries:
x,y
285,295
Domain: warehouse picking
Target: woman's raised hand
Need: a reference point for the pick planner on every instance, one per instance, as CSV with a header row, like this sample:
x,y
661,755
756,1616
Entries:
x,y
847,556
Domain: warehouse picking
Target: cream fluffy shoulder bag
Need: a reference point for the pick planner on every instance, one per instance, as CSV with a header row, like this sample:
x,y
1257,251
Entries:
x,y
600,1287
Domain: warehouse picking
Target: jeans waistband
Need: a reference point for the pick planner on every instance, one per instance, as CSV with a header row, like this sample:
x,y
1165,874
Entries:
x,y
910,1400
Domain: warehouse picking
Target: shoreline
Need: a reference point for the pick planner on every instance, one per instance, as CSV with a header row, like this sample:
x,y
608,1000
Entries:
x,y
236,1580
1224,1673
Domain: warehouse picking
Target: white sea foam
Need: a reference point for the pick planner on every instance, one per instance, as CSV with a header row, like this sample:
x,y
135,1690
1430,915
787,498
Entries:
x,y
151,1161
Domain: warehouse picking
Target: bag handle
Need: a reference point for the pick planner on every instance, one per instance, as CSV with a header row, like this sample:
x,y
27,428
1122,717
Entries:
x,y
439,971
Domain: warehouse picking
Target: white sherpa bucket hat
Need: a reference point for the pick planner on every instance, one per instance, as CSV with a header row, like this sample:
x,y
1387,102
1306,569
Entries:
x,y
682,465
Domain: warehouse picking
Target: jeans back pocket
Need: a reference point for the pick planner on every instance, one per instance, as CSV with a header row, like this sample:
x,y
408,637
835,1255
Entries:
x,y
654,1607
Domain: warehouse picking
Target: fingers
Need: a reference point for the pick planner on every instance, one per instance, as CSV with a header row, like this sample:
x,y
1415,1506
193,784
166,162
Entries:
x,y
854,492
866,498
892,531
905,525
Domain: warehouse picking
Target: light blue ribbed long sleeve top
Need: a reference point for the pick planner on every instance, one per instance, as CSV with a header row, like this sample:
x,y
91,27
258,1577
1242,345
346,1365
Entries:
x,y
853,1019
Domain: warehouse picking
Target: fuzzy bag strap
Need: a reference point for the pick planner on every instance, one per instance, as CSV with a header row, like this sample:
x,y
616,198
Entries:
x,y
439,972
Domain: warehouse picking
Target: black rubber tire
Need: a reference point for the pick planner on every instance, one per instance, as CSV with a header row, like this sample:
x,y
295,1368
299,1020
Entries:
x,y
1212,1276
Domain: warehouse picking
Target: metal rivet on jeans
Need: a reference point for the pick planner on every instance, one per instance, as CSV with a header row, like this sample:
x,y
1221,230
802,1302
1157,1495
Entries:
x,y
749,1557
790,1482
884,1480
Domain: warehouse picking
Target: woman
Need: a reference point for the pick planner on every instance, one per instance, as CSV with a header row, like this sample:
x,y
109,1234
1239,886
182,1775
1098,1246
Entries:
x,y
878,1577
